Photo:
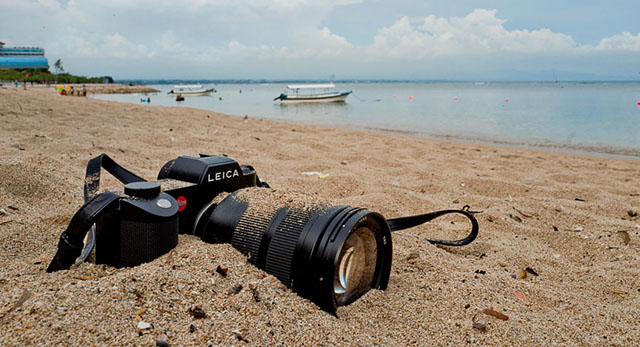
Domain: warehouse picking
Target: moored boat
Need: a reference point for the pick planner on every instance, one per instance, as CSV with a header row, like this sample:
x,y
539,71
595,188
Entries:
x,y
190,89
299,93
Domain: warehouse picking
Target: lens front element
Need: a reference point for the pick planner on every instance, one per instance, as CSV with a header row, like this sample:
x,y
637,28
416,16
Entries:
x,y
356,266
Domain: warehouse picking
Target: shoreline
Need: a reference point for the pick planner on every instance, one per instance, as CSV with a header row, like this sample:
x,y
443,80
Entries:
x,y
570,219
586,150
95,88
594,149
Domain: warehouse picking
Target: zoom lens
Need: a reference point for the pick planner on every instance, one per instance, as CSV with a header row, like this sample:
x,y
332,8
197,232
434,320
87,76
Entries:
x,y
331,255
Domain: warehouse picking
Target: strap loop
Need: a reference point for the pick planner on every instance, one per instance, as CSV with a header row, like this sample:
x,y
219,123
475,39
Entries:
x,y
411,221
72,240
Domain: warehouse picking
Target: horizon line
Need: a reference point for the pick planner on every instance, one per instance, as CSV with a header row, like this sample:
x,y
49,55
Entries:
x,y
364,80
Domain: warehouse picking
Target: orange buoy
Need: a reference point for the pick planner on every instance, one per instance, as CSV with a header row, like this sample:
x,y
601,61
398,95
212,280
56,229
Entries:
x,y
506,100
455,98
410,97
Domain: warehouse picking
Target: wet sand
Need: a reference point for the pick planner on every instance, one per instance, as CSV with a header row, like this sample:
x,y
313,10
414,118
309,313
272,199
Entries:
x,y
558,250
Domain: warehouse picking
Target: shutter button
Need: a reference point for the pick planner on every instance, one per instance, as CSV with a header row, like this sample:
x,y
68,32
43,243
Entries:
x,y
163,203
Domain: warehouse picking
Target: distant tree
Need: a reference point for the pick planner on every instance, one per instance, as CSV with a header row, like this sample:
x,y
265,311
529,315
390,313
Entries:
x,y
58,66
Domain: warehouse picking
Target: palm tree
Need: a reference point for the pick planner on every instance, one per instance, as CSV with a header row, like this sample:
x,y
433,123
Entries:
x,y
58,66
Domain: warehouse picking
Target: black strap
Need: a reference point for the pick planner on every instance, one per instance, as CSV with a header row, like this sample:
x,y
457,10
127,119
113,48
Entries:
x,y
411,221
92,177
72,240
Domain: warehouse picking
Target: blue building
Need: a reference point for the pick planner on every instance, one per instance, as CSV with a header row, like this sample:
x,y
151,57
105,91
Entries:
x,y
22,58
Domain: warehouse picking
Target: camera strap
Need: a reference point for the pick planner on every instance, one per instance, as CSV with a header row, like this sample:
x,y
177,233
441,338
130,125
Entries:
x,y
92,176
411,221
72,239
71,243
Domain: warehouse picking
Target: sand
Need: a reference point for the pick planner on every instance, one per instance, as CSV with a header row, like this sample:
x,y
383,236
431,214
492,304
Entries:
x,y
565,217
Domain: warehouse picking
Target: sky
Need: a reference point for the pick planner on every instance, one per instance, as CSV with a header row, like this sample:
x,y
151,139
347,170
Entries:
x,y
332,39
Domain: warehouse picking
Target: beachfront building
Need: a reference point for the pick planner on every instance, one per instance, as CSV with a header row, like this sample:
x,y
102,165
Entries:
x,y
22,57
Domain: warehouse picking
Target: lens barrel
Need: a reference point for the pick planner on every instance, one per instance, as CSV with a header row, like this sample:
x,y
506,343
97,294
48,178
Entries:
x,y
330,255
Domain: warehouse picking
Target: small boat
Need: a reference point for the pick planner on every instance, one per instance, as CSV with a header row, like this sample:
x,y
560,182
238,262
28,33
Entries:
x,y
299,93
191,89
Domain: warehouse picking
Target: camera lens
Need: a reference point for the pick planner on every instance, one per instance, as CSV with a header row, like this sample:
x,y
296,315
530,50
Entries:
x,y
331,255
357,265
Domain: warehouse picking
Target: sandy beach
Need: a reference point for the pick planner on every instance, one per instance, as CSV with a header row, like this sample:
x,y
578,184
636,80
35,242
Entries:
x,y
558,251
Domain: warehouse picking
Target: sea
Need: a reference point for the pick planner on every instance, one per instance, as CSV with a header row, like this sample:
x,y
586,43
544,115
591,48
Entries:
x,y
593,118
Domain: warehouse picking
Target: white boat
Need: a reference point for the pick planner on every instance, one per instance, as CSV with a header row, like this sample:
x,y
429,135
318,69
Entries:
x,y
190,89
298,93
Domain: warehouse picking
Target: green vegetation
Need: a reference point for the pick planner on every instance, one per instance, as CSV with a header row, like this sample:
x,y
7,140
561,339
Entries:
x,y
44,76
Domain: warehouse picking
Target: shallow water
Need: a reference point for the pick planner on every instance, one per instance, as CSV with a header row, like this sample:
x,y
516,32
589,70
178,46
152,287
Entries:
x,y
570,117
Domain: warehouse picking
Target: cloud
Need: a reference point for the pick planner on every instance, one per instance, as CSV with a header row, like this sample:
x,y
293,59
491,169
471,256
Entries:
x,y
479,33
228,38
621,42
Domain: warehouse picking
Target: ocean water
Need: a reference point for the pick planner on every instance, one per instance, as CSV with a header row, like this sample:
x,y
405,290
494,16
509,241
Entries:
x,y
598,118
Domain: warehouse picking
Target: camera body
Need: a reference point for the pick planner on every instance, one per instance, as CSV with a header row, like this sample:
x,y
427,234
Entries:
x,y
194,182
144,223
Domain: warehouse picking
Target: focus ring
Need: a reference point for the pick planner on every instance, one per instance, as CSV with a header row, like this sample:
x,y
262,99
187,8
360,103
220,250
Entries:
x,y
248,233
283,243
